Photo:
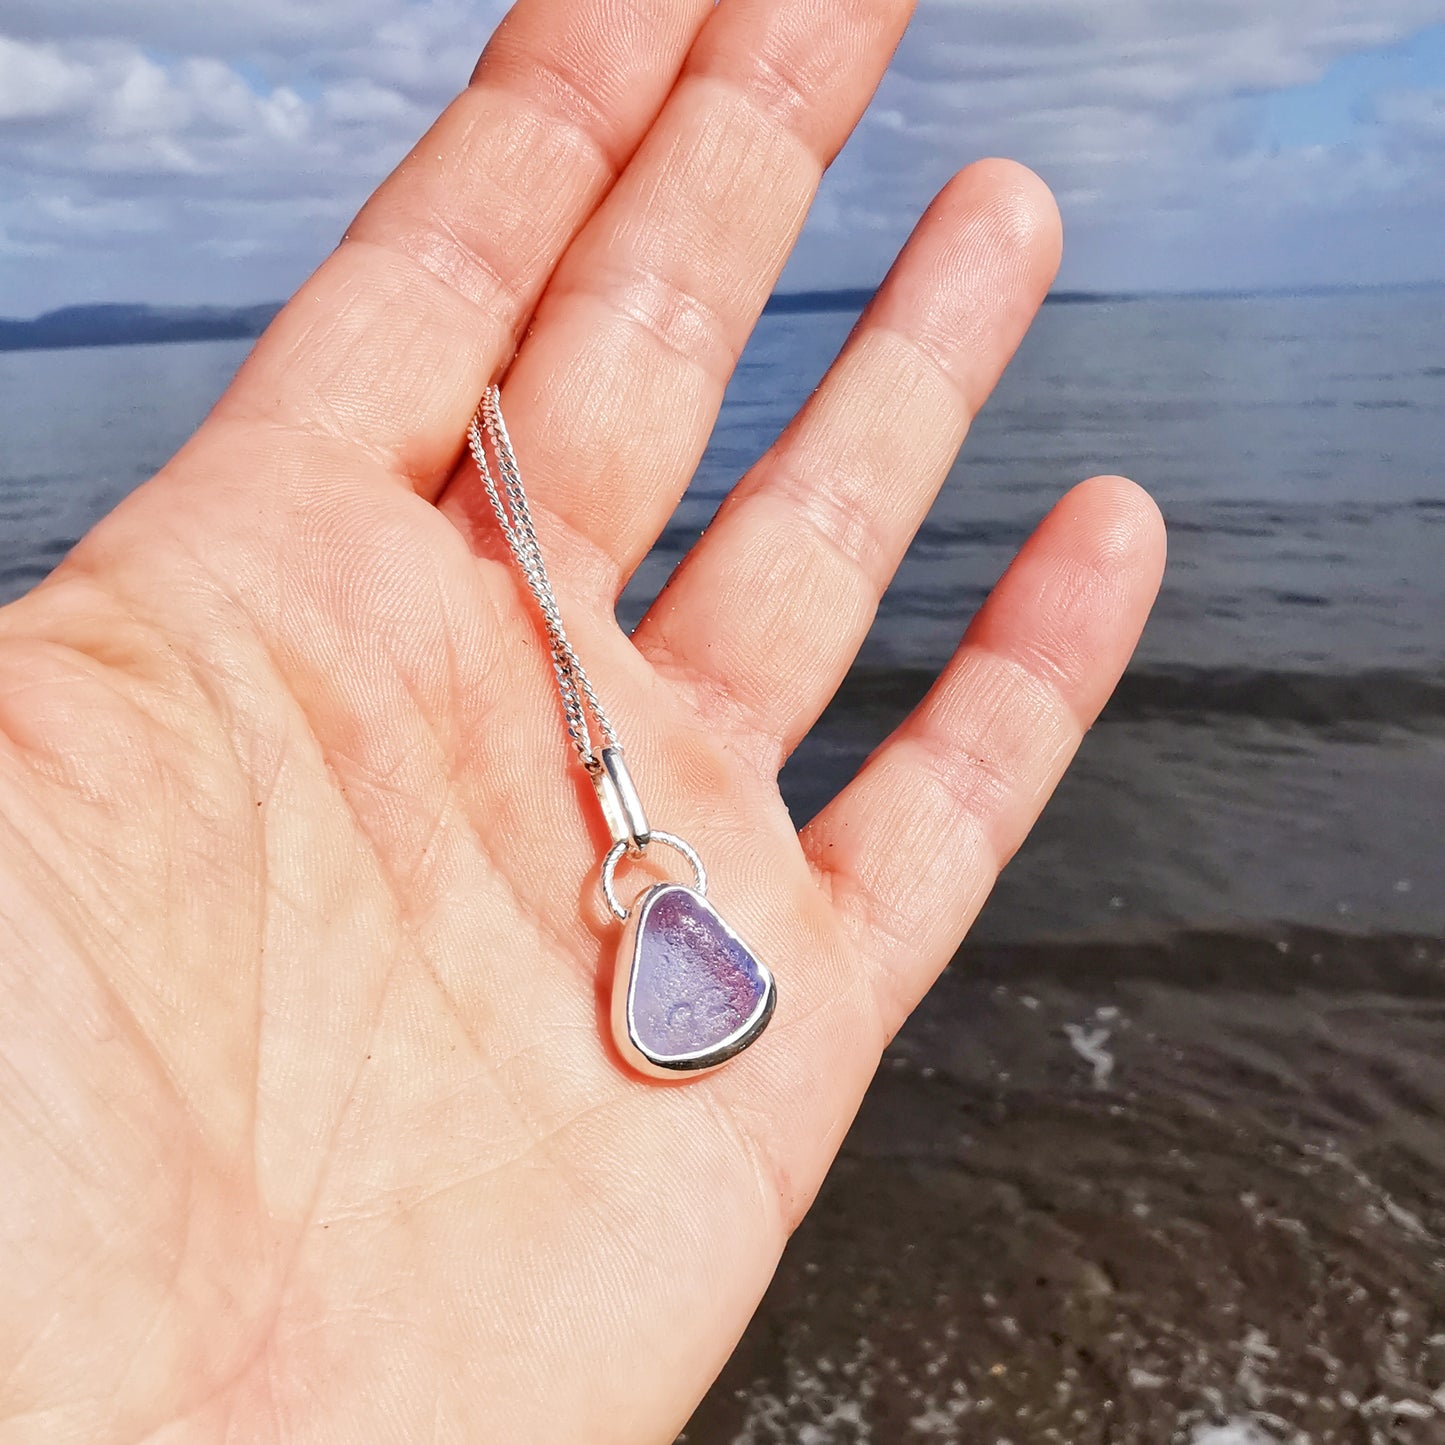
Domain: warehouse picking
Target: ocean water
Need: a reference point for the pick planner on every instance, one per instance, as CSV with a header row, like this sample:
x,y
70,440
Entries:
x,y
1163,1156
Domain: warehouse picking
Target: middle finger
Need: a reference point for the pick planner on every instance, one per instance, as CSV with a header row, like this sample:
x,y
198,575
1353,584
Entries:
x,y
616,387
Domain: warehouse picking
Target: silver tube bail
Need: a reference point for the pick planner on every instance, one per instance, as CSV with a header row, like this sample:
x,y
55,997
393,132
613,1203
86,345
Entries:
x,y
621,806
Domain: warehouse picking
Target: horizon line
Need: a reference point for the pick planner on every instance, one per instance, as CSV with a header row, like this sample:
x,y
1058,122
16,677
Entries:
x,y
121,323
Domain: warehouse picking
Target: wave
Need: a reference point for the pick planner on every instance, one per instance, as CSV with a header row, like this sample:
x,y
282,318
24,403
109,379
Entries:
x,y
1254,958
1391,696
1339,702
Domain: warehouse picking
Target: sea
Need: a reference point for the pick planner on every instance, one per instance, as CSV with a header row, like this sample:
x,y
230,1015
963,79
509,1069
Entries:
x,y
1162,1157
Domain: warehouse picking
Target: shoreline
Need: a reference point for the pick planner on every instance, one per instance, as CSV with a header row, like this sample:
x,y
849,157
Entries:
x,y
1118,1211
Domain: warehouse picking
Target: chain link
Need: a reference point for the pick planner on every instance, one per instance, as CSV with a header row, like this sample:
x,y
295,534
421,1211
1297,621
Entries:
x,y
509,502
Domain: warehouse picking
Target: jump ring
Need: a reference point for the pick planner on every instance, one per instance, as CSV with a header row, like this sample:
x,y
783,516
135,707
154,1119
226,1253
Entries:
x,y
614,856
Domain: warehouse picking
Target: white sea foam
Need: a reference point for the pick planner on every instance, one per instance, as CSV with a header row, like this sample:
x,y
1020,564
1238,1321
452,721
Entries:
x,y
1089,1044
1232,1432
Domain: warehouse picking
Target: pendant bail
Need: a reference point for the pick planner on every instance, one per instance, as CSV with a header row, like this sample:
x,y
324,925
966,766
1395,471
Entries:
x,y
621,806
614,857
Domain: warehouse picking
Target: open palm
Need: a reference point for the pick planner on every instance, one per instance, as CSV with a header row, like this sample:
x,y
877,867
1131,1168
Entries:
x,y
310,1125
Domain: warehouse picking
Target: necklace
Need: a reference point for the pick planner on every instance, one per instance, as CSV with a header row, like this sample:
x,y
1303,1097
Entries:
x,y
687,992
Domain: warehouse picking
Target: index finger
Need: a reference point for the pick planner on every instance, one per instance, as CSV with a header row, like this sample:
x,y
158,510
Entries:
x,y
388,344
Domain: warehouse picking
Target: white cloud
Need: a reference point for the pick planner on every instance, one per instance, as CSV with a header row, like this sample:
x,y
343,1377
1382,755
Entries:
x,y
162,149
364,102
96,218
37,81
1140,117
187,26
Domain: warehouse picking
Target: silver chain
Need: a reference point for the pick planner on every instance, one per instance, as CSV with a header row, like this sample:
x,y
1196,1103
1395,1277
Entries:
x,y
509,502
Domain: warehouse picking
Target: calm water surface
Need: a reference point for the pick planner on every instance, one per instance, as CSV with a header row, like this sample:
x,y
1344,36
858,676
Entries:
x,y
1163,1156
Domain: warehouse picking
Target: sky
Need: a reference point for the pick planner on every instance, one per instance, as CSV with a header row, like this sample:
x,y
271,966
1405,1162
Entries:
x,y
182,152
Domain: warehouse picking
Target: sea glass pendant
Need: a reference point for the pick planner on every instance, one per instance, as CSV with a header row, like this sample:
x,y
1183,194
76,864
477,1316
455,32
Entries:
x,y
688,993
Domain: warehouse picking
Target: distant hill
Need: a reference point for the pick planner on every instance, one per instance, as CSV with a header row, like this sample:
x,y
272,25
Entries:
x,y
855,299
136,325
122,325
132,325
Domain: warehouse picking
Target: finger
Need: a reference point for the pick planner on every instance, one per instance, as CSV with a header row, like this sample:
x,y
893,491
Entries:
x,y
388,345
614,392
765,614
910,849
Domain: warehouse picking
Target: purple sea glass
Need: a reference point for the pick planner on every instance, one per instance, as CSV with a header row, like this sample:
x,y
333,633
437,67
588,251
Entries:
x,y
694,986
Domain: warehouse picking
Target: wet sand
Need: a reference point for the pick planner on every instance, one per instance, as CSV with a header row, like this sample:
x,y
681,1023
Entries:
x,y
1085,1204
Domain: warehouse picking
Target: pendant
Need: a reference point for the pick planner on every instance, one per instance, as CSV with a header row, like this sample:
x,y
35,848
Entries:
x,y
688,993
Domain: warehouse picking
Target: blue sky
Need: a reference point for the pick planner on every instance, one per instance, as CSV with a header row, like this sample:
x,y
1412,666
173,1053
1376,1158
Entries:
x,y
169,151
1343,107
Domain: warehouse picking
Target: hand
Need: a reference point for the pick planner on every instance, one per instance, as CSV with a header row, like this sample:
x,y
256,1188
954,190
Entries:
x,y
310,1128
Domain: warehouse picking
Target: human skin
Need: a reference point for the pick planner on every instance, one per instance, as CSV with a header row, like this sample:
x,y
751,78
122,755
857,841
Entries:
x,y
311,1129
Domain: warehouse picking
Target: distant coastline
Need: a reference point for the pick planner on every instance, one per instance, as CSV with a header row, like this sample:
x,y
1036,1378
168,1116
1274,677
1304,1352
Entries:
x,y
122,324
134,325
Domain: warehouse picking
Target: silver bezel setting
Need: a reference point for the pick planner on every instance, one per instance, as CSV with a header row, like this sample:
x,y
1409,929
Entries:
x,y
673,1066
